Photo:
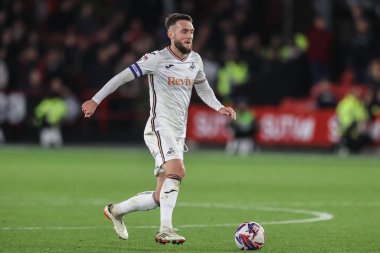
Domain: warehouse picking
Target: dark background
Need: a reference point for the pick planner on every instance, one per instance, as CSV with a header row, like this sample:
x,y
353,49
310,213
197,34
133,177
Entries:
x,y
83,44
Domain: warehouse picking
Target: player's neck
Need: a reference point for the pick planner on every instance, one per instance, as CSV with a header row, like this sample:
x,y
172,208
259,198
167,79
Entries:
x,y
177,52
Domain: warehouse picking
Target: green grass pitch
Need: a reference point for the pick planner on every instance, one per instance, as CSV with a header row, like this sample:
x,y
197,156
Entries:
x,y
52,200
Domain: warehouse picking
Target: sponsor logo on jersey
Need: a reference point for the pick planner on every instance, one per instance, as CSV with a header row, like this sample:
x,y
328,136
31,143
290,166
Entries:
x,y
169,66
179,81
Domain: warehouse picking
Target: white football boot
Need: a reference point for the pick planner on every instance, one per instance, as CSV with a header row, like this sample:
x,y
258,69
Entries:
x,y
118,222
169,235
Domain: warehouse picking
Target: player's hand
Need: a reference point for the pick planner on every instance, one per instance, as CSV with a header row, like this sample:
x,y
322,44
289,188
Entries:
x,y
89,107
228,111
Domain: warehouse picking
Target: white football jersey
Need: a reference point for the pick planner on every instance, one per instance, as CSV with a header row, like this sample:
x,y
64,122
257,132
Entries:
x,y
171,81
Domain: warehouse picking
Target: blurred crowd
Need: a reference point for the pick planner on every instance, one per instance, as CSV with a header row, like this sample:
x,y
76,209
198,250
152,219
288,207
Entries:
x,y
85,43
82,44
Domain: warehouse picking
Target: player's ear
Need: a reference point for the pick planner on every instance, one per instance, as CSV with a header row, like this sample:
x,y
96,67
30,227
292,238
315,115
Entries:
x,y
170,34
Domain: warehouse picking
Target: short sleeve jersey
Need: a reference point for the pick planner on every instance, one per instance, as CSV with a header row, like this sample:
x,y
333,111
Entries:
x,y
171,81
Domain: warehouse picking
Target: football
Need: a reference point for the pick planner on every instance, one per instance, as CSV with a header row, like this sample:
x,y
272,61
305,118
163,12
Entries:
x,y
250,236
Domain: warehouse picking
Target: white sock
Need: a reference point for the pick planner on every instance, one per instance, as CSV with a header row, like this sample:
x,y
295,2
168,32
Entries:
x,y
168,198
143,201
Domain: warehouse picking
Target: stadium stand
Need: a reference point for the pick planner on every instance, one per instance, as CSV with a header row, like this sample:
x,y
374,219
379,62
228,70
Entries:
x,y
85,43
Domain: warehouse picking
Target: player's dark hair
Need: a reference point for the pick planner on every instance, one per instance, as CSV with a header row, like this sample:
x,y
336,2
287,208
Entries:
x,y
174,17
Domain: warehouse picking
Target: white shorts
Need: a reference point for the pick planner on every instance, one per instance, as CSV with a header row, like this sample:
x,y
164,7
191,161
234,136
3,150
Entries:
x,y
163,146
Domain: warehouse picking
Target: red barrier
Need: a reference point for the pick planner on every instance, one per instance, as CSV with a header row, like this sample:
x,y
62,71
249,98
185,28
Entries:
x,y
296,129
207,126
277,128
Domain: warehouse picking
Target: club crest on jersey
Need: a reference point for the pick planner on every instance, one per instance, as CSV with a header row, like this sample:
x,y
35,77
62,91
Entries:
x,y
192,67
170,152
142,59
179,81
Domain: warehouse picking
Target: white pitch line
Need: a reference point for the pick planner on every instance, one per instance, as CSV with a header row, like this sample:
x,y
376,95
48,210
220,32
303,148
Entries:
x,y
50,228
317,216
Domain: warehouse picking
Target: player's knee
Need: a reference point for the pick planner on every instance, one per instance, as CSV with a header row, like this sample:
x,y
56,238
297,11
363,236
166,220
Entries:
x,y
181,173
175,169
177,173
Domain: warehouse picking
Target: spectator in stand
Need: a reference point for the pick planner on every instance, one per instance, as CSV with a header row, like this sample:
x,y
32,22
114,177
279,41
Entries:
x,y
64,17
4,72
323,94
101,70
27,61
374,75
353,121
73,59
211,67
361,49
251,53
243,130
72,104
134,33
234,73
4,77
87,24
271,55
35,85
3,19
374,86
319,50
373,107
49,114
54,64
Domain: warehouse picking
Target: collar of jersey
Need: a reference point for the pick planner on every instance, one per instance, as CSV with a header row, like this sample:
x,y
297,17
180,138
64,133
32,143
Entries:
x,y
176,56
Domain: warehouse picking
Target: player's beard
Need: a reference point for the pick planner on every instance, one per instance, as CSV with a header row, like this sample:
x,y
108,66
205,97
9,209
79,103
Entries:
x,y
182,48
